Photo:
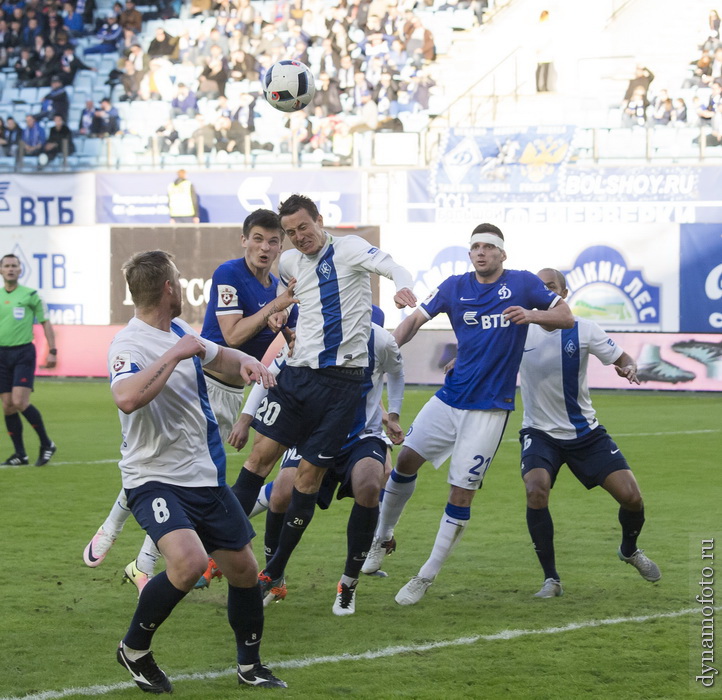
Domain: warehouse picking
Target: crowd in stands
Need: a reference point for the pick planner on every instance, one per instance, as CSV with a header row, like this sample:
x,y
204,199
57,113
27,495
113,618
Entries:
x,y
698,100
193,85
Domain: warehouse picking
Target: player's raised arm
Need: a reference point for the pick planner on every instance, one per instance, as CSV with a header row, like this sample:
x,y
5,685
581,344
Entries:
x,y
140,388
558,316
407,329
235,362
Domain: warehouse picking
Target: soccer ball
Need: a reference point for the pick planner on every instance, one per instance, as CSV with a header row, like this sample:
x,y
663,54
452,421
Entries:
x,y
288,86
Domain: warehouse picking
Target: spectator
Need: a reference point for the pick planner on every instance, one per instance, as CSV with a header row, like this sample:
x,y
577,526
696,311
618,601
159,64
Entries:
x,y
242,66
25,67
419,40
397,56
642,78
329,60
203,138
30,31
229,136
544,48
184,103
715,69
131,22
385,95
56,102
679,113
245,114
85,123
108,36
130,79
700,70
156,83
32,140
635,113
346,72
60,140
106,120
46,69
163,46
72,20
212,80
3,138
328,95
70,64
662,109
138,57
86,9
12,137
705,112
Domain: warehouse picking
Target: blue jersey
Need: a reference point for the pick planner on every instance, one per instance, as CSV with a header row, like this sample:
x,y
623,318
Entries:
x,y
236,291
490,347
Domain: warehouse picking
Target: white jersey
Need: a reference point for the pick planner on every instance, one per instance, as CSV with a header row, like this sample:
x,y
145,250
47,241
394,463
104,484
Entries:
x,y
384,360
173,439
334,291
554,386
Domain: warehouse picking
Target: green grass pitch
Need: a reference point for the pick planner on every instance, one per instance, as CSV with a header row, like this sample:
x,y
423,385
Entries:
x,y
477,633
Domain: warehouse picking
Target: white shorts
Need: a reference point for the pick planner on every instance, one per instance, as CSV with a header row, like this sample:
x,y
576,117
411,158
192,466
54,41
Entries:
x,y
226,402
470,437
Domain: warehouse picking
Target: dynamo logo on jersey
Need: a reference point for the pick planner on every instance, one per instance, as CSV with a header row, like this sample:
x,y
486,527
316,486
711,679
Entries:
x,y
504,292
604,289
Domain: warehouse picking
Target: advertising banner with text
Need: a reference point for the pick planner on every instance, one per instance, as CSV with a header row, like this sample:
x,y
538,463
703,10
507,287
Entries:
x,y
471,184
69,266
47,200
228,197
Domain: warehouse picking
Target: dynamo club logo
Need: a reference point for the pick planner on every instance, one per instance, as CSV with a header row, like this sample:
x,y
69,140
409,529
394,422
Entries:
x,y
603,288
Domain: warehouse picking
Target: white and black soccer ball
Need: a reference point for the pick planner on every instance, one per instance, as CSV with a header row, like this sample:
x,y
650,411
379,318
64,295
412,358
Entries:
x,y
288,86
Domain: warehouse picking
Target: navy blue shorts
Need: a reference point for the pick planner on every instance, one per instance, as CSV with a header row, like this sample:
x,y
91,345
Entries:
x,y
339,474
591,458
213,512
312,410
17,367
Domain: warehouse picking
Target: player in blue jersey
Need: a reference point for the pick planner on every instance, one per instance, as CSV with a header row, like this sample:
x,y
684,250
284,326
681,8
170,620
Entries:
x,y
243,312
314,404
490,310
560,426
173,469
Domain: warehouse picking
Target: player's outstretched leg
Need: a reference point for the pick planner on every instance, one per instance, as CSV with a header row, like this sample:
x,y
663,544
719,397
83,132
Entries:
x,y
451,528
399,489
103,539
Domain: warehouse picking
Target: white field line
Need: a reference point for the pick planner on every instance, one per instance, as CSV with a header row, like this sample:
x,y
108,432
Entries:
x,y
96,690
55,463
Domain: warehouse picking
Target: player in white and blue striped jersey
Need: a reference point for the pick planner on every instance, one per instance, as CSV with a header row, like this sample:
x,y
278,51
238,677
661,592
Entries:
x,y
560,427
313,406
490,310
173,469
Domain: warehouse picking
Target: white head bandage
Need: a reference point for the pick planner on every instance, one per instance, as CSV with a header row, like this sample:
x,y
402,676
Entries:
x,y
487,238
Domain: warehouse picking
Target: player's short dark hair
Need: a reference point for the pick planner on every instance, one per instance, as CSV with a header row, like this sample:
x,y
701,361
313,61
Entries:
x,y
295,203
488,228
561,279
146,274
9,255
265,218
